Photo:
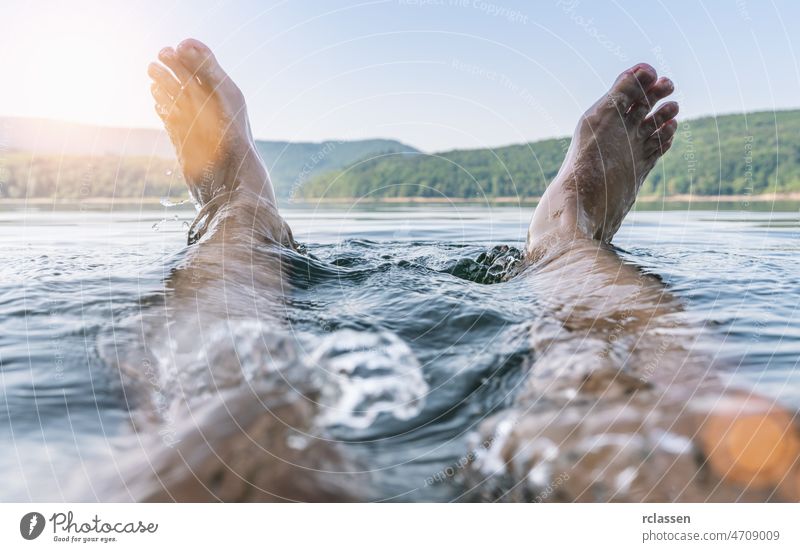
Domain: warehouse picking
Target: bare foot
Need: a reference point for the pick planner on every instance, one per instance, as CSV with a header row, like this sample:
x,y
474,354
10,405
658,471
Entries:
x,y
614,147
205,115
618,405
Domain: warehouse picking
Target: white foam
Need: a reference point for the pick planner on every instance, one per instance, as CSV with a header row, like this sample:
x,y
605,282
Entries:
x,y
367,374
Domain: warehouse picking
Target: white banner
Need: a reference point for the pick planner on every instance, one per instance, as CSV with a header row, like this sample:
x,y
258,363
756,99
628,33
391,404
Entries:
x,y
400,527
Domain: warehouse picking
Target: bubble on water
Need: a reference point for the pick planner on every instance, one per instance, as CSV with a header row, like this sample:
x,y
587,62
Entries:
x,y
232,353
368,375
540,475
489,459
168,172
673,443
357,376
625,479
297,442
164,223
167,202
258,348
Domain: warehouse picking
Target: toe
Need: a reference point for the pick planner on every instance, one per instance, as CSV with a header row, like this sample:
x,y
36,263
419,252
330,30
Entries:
x,y
166,107
198,58
164,79
631,86
660,90
661,140
169,57
161,96
664,147
655,121
168,113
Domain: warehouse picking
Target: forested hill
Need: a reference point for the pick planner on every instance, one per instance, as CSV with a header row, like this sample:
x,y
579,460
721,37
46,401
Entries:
x,y
40,158
732,154
291,164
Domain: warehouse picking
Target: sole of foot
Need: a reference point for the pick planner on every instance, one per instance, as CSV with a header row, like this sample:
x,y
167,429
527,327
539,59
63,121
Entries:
x,y
615,146
205,115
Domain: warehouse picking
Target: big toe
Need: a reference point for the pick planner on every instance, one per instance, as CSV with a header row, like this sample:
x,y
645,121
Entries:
x,y
200,60
632,86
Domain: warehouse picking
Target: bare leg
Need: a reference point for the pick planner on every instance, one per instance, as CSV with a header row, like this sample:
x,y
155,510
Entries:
x,y
219,381
616,399
205,115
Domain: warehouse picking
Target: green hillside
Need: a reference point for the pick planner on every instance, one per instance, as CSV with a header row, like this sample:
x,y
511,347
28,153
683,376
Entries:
x,y
291,164
732,154
131,173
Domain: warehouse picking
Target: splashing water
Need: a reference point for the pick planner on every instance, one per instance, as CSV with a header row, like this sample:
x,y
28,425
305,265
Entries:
x,y
399,349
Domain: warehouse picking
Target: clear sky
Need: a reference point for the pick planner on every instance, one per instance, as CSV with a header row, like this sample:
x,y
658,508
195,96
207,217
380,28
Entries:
x,y
437,74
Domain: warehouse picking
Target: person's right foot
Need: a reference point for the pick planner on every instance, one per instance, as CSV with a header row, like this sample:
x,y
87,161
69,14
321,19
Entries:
x,y
638,414
205,115
614,147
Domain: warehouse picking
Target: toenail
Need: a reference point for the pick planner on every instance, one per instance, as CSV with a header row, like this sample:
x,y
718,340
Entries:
x,y
188,45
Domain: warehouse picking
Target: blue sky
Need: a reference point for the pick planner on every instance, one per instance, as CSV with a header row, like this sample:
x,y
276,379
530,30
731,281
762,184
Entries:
x,y
437,74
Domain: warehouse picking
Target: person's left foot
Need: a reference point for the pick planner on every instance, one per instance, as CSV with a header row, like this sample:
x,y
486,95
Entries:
x,y
614,147
205,115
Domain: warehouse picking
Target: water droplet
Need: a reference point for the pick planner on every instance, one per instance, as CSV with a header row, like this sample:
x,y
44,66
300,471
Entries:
x,y
167,202
169,172
297,442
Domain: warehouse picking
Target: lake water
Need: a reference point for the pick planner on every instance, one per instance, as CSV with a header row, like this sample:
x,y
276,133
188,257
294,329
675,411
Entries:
x,y
67,277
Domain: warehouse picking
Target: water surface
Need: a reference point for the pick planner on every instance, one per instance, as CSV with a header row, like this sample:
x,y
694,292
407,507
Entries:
x,y
396,277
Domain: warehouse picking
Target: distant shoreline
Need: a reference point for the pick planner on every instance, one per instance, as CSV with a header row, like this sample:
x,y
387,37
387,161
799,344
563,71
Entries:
x,y
679,198
156,201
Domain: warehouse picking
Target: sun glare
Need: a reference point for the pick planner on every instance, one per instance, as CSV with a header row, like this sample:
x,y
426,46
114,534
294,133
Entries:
x,y
79,63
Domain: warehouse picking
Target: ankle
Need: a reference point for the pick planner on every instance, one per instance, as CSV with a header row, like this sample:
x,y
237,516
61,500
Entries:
x,y
556,219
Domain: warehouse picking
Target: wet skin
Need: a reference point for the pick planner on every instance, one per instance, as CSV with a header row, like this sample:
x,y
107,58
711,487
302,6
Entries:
x,y
212,432
612,354
616,397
